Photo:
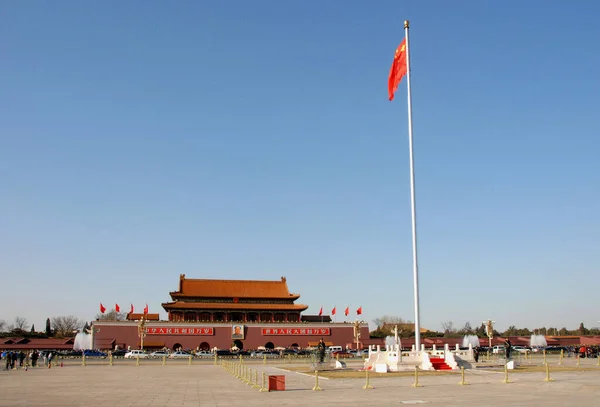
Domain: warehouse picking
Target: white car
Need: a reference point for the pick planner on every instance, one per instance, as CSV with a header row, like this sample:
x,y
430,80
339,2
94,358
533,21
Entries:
x,y
159,354
136,353
179,354
204,354
498,349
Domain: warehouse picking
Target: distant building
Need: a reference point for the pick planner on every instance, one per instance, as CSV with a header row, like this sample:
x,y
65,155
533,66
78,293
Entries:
x,y
247,314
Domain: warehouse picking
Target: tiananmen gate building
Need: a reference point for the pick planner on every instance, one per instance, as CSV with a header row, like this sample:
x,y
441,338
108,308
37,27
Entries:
x,y
208,314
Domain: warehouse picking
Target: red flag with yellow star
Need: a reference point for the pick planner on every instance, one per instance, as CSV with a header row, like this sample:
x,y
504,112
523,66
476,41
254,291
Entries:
x,y
398,69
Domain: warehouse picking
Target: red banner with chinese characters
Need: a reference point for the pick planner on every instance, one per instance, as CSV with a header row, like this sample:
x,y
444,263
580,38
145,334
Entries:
x,y
296,331
179,331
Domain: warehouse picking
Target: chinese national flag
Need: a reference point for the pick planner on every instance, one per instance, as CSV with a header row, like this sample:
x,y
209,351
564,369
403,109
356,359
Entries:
x,y
102,308
146,309
117,308
131,310
359,310
398,69
321,311
333,311
347,311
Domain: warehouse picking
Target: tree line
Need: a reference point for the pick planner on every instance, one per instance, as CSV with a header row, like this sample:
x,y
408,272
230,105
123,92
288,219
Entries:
x,y
56,327
385,327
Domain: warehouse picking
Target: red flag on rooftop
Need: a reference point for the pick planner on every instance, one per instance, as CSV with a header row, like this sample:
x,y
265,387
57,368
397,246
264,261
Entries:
x,y
131,310
102,308
359,310
398,69
146,309
333,311
347,311
321,311
117,308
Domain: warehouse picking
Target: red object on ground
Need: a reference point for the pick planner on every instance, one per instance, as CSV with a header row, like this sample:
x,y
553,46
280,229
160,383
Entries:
x,y
439,364
276,383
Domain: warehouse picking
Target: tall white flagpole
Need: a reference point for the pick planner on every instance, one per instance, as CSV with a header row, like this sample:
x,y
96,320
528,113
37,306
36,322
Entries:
x,y
413,205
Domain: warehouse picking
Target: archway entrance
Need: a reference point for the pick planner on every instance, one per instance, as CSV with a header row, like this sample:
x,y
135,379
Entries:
x,y
295,345
238,344
204,346
176,347
269,345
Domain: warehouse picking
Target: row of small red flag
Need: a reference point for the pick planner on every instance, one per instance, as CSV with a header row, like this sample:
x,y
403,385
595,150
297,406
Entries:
x,y
118,309
346,311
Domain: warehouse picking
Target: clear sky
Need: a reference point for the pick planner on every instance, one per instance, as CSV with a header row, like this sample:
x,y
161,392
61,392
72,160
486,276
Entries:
x,y
254,140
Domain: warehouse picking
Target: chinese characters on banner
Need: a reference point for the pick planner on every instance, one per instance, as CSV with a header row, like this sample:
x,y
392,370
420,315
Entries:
x,y
179,331
296,331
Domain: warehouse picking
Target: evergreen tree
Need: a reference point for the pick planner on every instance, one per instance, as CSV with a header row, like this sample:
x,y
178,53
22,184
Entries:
x,y
32,328
48,327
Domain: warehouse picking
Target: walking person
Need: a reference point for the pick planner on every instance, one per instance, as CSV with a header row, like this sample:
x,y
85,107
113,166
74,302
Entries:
x,y
7,360
507,348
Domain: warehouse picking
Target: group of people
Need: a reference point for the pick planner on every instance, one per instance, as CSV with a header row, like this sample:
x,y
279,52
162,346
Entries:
x,y
14,359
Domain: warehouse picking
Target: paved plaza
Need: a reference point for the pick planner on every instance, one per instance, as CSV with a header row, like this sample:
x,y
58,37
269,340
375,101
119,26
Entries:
x,y
204,384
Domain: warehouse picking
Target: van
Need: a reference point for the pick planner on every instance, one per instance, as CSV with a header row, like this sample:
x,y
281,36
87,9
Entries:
x,y
332,349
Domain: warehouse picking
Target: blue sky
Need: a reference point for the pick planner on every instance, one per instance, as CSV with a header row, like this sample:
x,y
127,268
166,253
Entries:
x,y
141,140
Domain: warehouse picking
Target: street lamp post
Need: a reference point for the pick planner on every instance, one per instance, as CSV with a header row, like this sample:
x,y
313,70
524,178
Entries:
x,y
142,331
489,330
357,333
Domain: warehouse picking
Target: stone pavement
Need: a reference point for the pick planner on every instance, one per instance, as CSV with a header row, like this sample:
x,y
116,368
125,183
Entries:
x,y
203,384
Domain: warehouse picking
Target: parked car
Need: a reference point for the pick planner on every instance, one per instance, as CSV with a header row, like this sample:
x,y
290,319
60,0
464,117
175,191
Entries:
x,y
179,354
262,354
341,354
94,353
119,352
499,349
136,353
204,354
159,354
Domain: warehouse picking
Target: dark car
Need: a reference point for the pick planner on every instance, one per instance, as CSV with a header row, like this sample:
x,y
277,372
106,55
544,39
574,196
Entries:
x,y
94,353
119,353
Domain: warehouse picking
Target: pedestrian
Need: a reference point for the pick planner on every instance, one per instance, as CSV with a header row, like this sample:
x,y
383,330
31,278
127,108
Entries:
x,y
50,356
13,360
7,359
508,348
21,358
34,357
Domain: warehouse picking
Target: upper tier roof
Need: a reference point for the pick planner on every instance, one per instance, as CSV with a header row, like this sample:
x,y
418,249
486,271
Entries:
x,y
189,287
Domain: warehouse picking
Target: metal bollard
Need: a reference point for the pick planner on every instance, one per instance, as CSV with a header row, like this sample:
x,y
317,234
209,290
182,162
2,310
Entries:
x,y
137,361
263,388
560,359
241,359
367,384
110,360
164,361
548,379
264,359
578,357
416,383
255,384
317,387
83,360
544,356
216,358
506,381
462,377
190,360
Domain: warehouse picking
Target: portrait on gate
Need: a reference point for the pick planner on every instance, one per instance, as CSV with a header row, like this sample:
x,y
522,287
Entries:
x,y
237,332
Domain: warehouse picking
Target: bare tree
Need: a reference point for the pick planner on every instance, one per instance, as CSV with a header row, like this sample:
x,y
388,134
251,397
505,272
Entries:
x,y
2,325
64,326
389,319
112,315
448,327
20,324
